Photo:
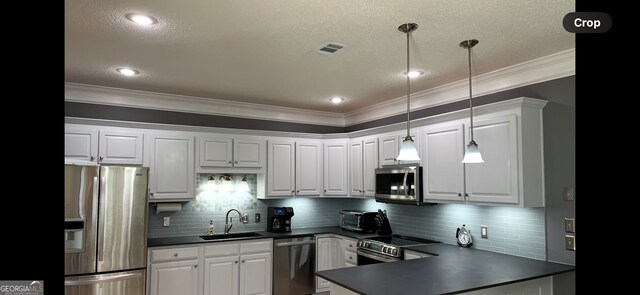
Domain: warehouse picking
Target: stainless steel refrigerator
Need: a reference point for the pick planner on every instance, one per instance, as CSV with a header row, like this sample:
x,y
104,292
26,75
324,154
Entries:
x,y
105,236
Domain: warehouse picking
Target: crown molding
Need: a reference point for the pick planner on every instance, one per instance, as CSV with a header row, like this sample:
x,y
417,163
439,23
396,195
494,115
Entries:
x,y
555,66
190,104
558,65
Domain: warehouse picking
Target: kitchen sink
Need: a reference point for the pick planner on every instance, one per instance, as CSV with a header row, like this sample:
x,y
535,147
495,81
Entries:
x,y
231,236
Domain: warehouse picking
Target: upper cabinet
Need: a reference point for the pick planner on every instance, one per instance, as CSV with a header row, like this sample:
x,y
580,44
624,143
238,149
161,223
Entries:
x,y
336,180
511,145
103,146
363,159
390,147
227,151
171,163
294,168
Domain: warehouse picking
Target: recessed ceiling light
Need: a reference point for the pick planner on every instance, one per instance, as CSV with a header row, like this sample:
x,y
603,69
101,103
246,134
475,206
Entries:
x,y
127,71
414,74
141,19
336,100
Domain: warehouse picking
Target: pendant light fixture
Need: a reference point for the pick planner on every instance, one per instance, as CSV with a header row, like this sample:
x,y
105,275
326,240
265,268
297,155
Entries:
x,y
471,153
408,151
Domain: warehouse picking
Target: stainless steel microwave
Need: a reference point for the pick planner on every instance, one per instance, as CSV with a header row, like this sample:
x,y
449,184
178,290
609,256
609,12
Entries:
x,y
399,184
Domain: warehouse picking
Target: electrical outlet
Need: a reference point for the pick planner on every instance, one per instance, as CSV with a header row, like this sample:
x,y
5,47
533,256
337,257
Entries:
x,y
167,221
568,194
483,231
570,225
257,217
570,242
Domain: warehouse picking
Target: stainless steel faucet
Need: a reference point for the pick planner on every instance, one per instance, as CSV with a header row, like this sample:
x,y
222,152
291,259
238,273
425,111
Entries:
x,y
228,224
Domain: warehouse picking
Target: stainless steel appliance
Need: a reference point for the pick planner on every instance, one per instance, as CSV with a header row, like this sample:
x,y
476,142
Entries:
x,y
294,264
386,248
357,220
279,219
400,184
105,230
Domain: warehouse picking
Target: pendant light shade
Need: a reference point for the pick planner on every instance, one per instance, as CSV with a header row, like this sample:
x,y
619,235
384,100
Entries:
x,y
472,152
408,151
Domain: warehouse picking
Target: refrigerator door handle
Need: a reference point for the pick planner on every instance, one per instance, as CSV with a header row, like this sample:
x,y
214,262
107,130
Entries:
x,y
102,278
103,214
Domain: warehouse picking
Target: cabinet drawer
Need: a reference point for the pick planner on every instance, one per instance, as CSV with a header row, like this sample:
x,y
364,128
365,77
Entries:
x,y
223,249
350,245
174,254
350,257
257,246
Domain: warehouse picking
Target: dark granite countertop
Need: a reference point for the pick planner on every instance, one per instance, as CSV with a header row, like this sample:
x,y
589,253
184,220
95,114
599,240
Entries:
x,y
453,270
184,240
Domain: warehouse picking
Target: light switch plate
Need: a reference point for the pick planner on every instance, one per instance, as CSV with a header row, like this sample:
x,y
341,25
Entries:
x,y
167,221
568,194
570,225
483,231
570,242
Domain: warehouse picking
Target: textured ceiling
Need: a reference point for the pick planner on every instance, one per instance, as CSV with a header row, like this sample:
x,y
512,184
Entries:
x,y
262,51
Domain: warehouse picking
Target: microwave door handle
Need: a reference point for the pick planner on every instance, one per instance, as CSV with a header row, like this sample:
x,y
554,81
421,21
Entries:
x,y
404,183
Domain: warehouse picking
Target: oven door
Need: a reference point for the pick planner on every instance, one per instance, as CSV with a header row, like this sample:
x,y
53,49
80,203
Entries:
x,y
367,257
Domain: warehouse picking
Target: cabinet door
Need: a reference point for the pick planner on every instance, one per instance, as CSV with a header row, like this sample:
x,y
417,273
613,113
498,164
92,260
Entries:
x,y
172,168
443,169
356,150
495,180
215,151
323,261
369,165
170,278
335,169
255,274
308,168
248,153
81,143
388,150
118,147
221,275
280,168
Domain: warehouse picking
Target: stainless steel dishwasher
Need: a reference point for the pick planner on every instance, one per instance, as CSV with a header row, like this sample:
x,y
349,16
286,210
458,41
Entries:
x,y
294,264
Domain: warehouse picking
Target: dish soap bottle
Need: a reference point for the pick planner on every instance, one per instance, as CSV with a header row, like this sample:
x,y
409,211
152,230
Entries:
x,y
212,229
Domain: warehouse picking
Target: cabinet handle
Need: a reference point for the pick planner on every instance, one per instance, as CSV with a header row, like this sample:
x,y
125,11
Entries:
x,y
466,194
229,162
350,246
101,158
459,194
298,191
325,190
242,261
236,261
92,157
175,254
236,162
195,266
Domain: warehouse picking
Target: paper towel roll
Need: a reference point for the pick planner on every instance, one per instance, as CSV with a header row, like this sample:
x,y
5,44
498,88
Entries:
x,y
168,207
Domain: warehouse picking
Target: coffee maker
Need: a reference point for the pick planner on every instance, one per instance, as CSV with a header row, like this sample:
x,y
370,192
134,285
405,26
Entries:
x,y
279,219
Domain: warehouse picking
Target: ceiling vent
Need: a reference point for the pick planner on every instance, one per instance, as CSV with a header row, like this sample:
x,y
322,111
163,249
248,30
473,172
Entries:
x,y
330,48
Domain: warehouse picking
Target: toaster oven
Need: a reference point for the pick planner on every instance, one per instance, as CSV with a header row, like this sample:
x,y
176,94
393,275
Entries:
x,y
360,221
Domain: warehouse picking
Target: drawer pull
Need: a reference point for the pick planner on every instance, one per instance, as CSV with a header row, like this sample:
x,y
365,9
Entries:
x,y
175,254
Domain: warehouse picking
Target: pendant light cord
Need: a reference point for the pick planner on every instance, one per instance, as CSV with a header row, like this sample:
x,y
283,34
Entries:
x,y
408,85
470,105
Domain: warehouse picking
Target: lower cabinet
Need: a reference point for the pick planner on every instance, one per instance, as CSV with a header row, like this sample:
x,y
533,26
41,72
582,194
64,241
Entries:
x,y
228,268
333,251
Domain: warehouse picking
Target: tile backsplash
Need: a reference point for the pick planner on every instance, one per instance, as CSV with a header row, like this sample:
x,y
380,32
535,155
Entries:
x,y
515,231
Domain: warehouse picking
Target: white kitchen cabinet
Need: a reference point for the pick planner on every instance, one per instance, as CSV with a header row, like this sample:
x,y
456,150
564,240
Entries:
x,y
238,267
120,147
226,151
443,171
173,271
294,168
332,252
172,171
363,158
349,246
495,180
81,144
390,147
336,181
512,148
108,146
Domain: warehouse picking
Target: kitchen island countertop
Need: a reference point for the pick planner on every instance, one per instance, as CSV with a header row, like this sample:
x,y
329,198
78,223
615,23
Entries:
x,y
451,270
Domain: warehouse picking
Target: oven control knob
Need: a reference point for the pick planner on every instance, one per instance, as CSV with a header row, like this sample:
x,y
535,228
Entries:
x,y
384,249
359,243
395,252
